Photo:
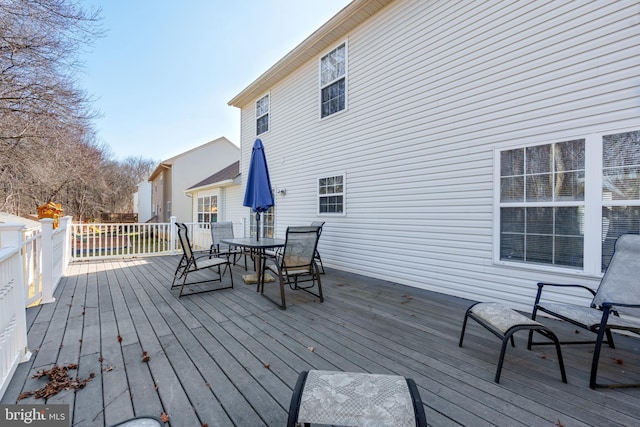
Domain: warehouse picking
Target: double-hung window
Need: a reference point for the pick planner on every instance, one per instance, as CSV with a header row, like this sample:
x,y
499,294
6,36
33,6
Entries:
x,y
565,203
207,210
333,82
542,203
262,115
331,194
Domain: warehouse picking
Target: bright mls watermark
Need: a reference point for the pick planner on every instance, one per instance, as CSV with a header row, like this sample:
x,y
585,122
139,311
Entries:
x,y
34,415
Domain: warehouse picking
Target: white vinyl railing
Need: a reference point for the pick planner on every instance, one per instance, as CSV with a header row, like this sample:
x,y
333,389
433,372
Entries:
x,y
32,262
96,241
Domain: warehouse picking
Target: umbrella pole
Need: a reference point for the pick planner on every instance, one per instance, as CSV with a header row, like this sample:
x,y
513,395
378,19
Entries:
x,y
258,226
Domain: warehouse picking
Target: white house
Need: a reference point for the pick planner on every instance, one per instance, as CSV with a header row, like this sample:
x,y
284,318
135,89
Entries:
x,y
173,176
218,198
142,201
467,147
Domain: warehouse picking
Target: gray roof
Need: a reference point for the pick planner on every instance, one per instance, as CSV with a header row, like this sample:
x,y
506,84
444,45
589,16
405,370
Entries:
x,y
226,174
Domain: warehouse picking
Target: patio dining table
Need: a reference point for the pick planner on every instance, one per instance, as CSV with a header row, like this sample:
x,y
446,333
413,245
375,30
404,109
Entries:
x,y
257,248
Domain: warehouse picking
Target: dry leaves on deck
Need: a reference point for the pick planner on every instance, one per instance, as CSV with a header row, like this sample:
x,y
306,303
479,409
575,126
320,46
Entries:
x,y
59,380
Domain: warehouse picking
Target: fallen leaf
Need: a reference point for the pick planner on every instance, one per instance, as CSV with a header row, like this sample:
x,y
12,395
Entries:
x,y
145,357
119,338
164,417
619,361
107,369
155,386
59,380
266,365
559,423
310,348
208,385
100,359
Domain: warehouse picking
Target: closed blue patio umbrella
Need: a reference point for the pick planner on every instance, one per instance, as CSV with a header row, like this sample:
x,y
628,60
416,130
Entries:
x,y
258,195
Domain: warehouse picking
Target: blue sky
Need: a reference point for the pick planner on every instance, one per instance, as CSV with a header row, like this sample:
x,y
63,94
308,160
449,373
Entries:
x,y
162,75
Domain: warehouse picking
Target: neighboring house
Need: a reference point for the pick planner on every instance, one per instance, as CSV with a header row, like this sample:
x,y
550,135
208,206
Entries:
x,y
142,202
468,147
218,198
173,176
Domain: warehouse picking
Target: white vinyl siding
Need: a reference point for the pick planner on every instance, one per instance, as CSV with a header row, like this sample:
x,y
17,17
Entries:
x,y
434,89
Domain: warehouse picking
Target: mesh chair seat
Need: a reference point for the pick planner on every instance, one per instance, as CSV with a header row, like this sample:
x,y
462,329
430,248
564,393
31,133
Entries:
x,y
615,304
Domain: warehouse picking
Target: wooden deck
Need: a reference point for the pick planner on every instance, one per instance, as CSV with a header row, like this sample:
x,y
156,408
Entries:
x,y
232,357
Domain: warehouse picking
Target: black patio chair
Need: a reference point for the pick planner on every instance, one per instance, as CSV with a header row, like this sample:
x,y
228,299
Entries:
x,y
294,264
224,230
615,304
192,262
319,224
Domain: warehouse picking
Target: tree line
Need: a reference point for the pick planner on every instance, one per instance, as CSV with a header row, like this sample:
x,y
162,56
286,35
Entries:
x,y
48,145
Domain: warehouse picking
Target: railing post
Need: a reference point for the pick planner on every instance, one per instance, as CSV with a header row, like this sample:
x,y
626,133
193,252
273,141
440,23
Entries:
x,y
65,224
11,235
47,260
172,233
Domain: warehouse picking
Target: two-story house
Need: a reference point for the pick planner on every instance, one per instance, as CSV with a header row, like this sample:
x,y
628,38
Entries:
x,y
466,147
173,176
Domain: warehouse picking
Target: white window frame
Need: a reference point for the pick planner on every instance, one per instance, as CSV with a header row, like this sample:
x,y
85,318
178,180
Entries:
x,y
210,197
263,114
319,196
329,83
593,205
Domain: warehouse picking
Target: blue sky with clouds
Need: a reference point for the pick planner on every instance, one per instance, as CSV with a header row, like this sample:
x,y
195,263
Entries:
x,y
163,73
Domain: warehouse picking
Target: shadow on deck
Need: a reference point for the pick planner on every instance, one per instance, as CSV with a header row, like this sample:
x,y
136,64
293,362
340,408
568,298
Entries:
x,y
232,357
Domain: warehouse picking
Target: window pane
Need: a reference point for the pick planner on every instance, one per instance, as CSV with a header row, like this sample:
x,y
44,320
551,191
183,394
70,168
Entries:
x,y
333,98
616,221
539,159
539,188
332,65
539,221
621,166
323,204
569,251
512,247
512,189
512,162
539,249
569,156
512,220
262,106
262,124
569,186
569,221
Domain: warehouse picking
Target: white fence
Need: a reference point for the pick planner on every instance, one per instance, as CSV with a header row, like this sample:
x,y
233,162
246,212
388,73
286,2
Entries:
x,y
32,262
96,241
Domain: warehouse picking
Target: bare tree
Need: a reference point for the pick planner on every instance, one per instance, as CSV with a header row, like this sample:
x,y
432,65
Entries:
x,y
44,117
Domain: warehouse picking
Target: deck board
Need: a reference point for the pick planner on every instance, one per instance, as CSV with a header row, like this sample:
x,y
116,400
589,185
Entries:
x,y
231,357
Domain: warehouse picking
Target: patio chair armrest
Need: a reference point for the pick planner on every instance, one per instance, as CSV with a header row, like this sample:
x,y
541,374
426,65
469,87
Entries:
x,y
566,285
202,254
613,305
